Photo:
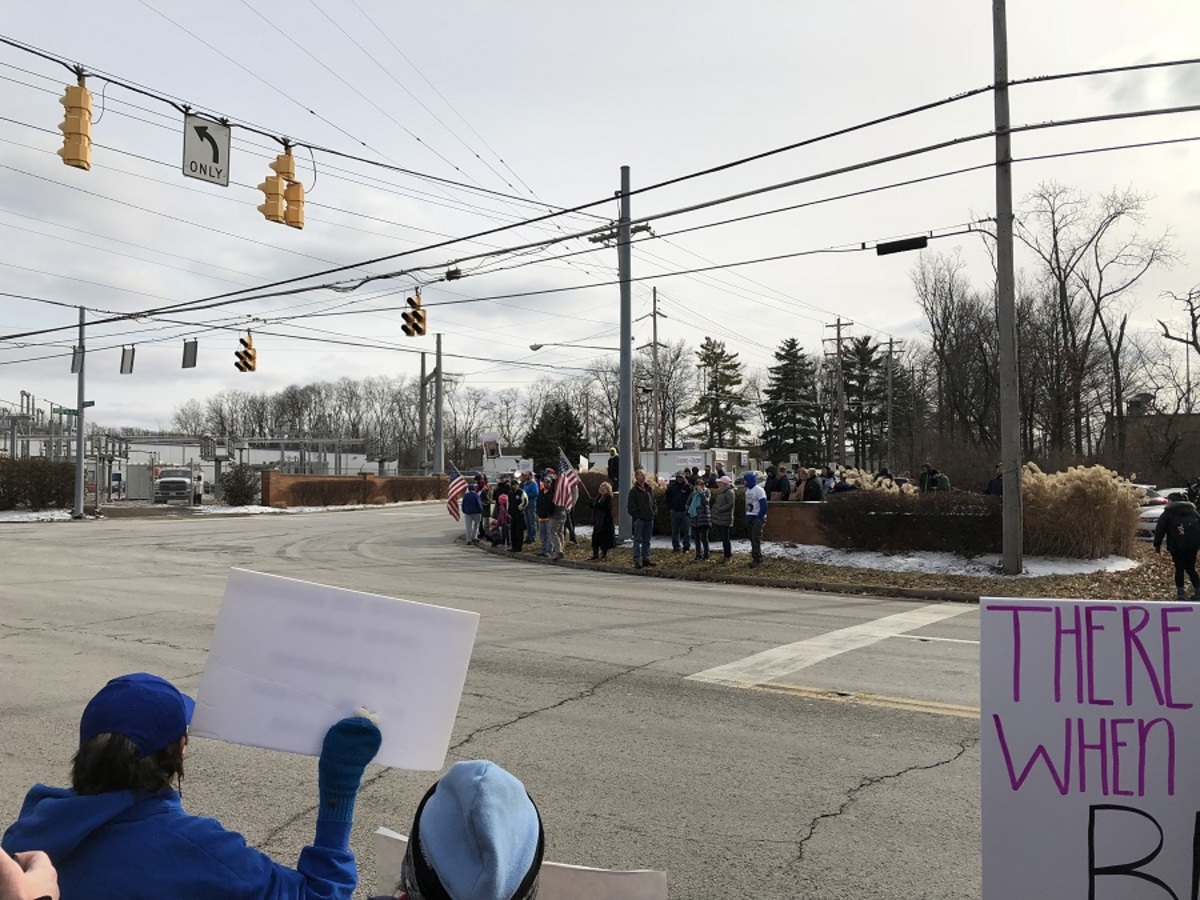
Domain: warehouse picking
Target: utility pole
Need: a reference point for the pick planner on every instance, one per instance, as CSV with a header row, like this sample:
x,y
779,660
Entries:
x,y
1010,410
422,428
839,430
439,455
892,342
77,512
654,395
627,463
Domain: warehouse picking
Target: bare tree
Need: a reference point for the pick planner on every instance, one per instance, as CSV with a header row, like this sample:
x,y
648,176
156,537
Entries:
x,y
189,418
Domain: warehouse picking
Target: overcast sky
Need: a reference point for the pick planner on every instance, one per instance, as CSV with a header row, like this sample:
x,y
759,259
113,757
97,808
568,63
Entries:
x,y
544,100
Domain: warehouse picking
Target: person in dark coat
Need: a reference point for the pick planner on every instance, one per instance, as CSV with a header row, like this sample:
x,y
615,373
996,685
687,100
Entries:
x,y
1179,525
995,486
678,493
603,533
614,465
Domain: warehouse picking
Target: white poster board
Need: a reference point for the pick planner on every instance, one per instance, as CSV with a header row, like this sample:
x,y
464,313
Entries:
x,y
290,658
1091,786
558,881
525,465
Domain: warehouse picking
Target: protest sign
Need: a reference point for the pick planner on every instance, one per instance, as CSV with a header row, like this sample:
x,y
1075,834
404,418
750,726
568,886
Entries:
x,y
1089,737
557,881
289,658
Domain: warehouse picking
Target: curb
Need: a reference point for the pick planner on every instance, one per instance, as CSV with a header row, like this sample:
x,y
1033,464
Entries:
x,y
830,587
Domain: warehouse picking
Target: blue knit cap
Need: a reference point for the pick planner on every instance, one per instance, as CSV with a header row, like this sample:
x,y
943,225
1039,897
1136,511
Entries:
x,y
479,832
148,710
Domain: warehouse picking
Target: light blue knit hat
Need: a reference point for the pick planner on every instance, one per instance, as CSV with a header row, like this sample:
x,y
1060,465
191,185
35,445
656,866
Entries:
x,y
480,833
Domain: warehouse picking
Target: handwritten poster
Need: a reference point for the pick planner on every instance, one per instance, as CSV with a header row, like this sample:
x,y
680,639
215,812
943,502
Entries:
x,y
1090,733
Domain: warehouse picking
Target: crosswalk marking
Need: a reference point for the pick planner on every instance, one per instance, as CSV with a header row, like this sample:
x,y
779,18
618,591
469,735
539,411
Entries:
x,y
780,661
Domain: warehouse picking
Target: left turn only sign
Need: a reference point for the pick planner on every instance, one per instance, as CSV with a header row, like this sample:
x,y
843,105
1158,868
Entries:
x,y
206,150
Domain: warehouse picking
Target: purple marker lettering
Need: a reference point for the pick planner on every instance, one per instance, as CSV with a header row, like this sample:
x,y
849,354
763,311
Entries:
x,y
1061,781
1167,630
1016,626
1114,730
1134,643
1092,628
1100,746
1059,631
1144,729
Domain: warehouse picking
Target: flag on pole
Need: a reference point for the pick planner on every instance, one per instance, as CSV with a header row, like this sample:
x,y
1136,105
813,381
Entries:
x,y
566,486
458,487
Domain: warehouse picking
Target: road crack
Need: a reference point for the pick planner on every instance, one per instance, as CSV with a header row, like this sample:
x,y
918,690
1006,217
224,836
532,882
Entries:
x,y
852,795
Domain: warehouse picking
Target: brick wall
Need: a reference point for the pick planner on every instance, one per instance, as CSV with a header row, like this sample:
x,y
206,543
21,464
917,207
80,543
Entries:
x,y
795,522
278,489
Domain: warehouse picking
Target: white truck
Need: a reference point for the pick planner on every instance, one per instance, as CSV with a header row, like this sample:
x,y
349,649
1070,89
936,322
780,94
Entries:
x,y
179,483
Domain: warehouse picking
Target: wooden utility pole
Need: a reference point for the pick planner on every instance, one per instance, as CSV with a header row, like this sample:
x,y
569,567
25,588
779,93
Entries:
x,y
839,447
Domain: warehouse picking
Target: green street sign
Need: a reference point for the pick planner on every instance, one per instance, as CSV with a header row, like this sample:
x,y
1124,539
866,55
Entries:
x,y
62,411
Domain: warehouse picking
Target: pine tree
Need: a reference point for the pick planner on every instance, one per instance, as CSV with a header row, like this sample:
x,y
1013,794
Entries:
x,y
720,409
866,400
791,410
557,427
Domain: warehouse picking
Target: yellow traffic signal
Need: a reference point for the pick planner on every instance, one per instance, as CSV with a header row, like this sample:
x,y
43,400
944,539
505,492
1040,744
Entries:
x,y
273,208
247,357
414,318
293,214
77,126
285,195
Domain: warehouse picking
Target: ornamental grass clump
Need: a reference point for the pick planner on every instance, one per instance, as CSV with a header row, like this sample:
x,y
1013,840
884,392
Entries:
x,y
1086,512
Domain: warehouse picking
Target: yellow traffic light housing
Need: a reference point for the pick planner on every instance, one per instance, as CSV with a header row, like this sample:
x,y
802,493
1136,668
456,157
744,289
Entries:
x,y
293,213
285,195
272,187
77,126
247,357
414,317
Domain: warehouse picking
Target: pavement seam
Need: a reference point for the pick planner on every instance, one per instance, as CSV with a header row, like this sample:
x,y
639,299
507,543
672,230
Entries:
x,y
870,781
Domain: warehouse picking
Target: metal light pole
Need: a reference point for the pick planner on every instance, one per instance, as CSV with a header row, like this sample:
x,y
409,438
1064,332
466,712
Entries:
x,y
1010,412
439,453
77,512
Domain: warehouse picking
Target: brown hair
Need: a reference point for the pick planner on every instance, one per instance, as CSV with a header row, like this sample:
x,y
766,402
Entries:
x,y
112,762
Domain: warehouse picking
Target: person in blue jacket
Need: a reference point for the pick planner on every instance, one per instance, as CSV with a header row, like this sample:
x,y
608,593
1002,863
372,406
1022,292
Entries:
x,y
120,833
756,517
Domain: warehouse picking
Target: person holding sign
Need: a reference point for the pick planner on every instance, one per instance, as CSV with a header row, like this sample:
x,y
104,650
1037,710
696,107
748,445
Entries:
x,y
120,831
1179,523
477,835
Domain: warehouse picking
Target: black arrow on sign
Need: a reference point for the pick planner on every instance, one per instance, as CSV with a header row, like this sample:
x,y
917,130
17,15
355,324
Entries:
x,y
202,133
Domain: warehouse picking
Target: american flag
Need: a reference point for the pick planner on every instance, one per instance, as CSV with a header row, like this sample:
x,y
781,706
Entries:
x,y
458,487
568,479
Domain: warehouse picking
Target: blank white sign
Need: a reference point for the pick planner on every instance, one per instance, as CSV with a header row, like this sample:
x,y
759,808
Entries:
x,y
290,658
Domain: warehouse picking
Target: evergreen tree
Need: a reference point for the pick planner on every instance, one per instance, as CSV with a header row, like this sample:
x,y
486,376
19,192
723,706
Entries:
x,y
866,400
556,427
790,410
718,414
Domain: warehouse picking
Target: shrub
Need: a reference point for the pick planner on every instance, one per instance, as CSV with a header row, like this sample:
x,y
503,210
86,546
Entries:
x,y
1085,512
409,488
239,486
343,490
48,484
897,521
36,483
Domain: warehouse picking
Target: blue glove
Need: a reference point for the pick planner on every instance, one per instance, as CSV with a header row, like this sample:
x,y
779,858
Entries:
x,y
349,746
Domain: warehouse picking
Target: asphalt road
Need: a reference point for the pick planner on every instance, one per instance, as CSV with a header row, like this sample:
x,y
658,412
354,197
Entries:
x,y
752,742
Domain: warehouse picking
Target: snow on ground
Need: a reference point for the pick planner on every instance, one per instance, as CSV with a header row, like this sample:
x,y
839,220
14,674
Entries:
x,y
932,563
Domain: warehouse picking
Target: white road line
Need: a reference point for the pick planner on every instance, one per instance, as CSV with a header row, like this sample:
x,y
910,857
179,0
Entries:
x,y
781,661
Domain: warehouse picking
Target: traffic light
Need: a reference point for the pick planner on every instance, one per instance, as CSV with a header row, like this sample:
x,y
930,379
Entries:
x,y
247,357
293,214
273,208
414,318
285,195
77,127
